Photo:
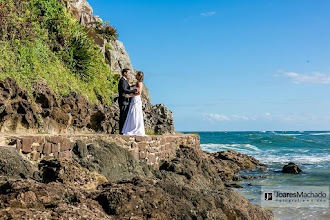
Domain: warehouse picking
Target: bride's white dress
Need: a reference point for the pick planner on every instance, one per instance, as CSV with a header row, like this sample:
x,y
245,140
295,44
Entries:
x,y
134,124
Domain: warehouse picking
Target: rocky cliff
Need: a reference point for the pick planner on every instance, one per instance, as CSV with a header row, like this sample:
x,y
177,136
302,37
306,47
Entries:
x,y
46,112
102,180
83,175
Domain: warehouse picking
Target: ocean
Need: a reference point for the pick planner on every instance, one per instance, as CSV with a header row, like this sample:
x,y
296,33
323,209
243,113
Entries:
x,y
310,150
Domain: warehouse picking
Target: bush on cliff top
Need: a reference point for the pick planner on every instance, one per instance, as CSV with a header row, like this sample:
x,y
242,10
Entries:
x,y
39,40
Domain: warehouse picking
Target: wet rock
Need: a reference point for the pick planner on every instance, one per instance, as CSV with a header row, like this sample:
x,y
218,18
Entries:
x,y
242,160
233,185
248,177
291,168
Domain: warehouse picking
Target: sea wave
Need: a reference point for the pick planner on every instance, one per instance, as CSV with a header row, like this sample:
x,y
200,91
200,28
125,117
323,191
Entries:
x,y
237,147
326,133
288,134
295,158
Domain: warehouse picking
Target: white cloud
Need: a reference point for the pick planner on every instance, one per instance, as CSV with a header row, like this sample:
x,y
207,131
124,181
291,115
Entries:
x,y
220,117
316,77
207,14
268,115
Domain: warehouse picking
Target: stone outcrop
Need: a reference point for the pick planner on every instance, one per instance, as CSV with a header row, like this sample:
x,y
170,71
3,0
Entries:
x,y
13,165
291,168
45,112
83,12
118,58
243,161
29,199
140,198
185,186
70,173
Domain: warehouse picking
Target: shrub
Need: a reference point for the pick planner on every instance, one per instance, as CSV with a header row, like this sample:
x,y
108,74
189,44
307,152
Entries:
x,y
39,40
106,31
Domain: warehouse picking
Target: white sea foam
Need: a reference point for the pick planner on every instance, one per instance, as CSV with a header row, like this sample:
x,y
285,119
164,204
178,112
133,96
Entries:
x,y
237,147
295,158
326,133
288,134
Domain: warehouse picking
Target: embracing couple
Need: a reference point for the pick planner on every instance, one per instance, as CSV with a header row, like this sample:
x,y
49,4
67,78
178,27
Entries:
x,y
130,104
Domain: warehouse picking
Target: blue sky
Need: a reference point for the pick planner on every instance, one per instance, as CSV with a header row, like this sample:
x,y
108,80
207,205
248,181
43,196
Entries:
x,y
231,65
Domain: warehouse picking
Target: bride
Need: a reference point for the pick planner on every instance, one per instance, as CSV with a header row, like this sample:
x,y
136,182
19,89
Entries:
x,y
134,124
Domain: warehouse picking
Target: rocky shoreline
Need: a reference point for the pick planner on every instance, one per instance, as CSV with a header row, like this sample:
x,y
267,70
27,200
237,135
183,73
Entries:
x,y
65,161
107,182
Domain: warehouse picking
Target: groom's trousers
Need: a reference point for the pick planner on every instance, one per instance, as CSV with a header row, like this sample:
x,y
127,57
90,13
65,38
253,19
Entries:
x,y
123,115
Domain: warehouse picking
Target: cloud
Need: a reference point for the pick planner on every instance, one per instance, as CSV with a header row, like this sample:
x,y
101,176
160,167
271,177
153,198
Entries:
x,y
315,78
268,115
207,14
220,117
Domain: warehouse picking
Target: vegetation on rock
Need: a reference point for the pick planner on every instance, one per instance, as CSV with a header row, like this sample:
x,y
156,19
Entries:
x,y
41,41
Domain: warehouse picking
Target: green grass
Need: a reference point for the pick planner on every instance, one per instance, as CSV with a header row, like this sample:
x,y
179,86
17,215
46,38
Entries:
x,y
150,133
40,41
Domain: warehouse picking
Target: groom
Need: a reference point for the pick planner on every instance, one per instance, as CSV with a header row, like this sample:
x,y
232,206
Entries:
x,y
123,89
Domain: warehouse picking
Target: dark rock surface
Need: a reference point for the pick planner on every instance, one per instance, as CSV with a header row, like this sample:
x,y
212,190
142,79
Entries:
x,y
291,168
72,113
243,161
28,199
192,167
186,187
114,162
13,165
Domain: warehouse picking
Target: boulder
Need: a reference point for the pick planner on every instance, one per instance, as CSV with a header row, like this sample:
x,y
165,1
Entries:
x,y
83,12
158,119
13,165
69,173
291,168
242,160
110,160
118,58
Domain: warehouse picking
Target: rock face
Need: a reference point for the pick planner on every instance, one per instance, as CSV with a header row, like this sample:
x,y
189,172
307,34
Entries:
x,y
291,168
69,173
118,58
28,199
83,12
109,160
47,113
186,187
158,119
13,165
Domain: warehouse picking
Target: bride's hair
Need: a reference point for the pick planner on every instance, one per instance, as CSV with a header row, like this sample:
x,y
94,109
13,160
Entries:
x,y
139,76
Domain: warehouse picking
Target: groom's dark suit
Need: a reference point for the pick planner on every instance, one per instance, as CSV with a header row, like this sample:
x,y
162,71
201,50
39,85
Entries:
x,y
123,89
